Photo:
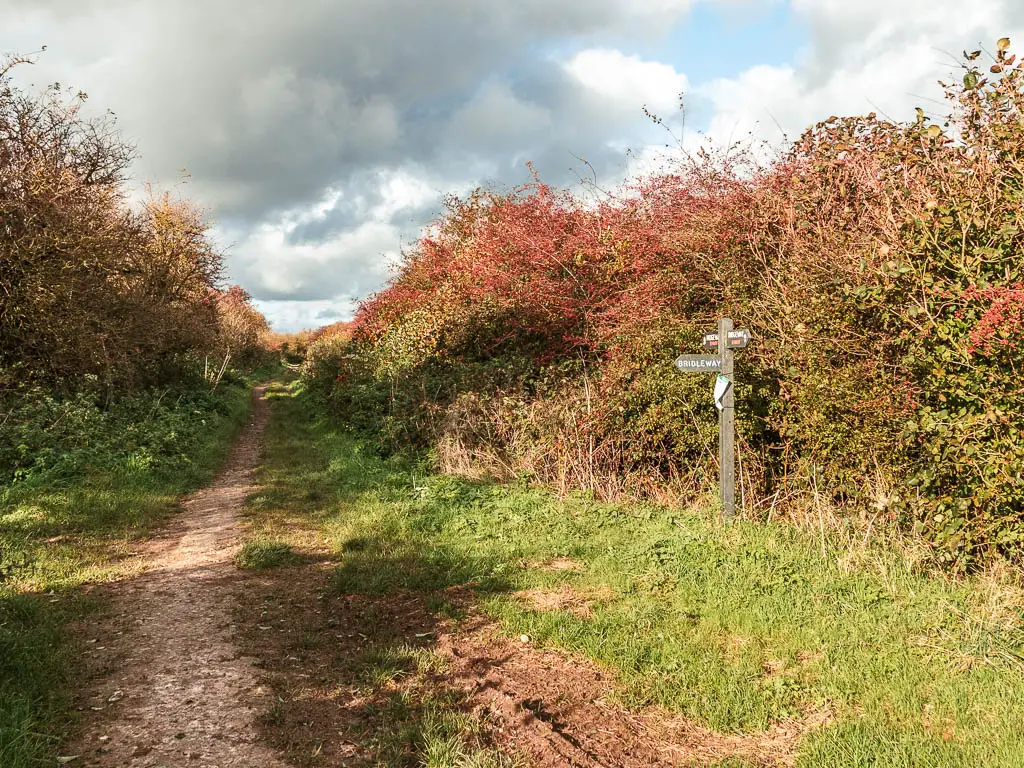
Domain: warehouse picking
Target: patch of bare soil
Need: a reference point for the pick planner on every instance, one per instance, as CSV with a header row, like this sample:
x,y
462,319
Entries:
x,y
558,564
170,687
559,710
546,707
316,647
565,598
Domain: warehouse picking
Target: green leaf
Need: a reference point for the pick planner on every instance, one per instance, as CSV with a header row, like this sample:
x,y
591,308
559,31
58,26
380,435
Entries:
x,y
1003,43
971,80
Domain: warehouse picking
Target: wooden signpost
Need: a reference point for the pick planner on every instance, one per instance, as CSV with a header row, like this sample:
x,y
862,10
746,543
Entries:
x,y
724,401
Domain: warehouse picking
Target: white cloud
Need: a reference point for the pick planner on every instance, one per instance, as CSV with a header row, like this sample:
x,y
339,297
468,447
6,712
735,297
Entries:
x,y
290,316
401,190
872,55
349,264
627,82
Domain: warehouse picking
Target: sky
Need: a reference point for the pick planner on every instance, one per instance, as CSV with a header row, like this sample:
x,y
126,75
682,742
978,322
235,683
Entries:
x,y
321,137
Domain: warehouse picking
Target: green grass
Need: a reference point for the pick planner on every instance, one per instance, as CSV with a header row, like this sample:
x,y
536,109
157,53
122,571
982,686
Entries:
x,y
420,717
59,530
735,626
260,554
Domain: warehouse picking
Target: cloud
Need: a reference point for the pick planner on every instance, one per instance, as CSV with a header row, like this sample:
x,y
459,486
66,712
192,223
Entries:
x,y
323,135
497,114
872,55
397,196
622,81
267,104
352,264
291,316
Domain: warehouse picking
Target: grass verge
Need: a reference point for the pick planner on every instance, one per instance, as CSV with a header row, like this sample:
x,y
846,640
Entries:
x,y
736,626
59,530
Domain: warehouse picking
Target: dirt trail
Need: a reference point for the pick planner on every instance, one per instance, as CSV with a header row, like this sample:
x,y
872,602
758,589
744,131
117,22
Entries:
x,y
175,689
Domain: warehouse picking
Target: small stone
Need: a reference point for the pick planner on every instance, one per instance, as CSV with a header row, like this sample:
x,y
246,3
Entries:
x,y
524,638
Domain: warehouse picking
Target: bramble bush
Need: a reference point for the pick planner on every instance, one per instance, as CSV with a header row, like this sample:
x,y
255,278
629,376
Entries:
x,y
877,263
894,252
322,355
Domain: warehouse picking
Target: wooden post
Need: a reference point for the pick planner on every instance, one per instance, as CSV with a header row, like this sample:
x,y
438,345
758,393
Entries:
x,y
724,342
727,426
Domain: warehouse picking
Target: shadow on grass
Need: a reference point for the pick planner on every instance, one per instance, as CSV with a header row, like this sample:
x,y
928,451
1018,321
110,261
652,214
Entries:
x,y
351,653
37,669
374,570
353,662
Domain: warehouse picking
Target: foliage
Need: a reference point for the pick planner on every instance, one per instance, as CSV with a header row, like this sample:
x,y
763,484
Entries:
x,y
290,347
47,439
242,331
323,358
91,286
877,264
898,265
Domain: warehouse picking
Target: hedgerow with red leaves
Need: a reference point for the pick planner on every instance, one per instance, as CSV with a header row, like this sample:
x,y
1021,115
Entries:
x,y
878,264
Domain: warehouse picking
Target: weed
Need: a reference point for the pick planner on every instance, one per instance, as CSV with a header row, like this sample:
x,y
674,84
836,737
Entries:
x,y
260,554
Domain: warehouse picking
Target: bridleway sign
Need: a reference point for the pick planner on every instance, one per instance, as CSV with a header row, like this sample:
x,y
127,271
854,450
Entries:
x,y
698,363
737,339
724,401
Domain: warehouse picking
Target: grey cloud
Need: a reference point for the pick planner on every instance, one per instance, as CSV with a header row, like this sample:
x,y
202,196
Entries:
x,y
355,274
357,207
268,104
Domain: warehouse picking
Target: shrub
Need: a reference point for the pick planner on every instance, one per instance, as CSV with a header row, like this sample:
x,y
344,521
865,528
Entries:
x,y
877,263
92,287
47,438
323,361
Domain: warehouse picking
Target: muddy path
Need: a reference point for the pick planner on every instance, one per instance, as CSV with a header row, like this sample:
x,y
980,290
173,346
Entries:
x,y
170,686
321,651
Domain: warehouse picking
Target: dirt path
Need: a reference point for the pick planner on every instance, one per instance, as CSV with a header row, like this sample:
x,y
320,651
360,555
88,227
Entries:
x,y
178,666
548,708
174,689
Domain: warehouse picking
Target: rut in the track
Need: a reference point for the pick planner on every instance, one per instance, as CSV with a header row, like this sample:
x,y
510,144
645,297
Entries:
x,y
176,690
